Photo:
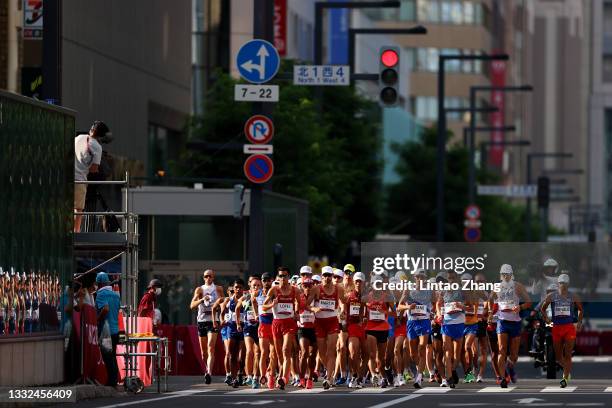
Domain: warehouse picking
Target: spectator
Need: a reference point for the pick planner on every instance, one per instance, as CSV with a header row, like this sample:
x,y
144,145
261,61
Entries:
x,y
107,305
87,156
148,303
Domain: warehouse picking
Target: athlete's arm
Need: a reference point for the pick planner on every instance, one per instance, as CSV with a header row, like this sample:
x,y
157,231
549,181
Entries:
x,y
580,308
524,296
270,299
544,305
238,308
197,298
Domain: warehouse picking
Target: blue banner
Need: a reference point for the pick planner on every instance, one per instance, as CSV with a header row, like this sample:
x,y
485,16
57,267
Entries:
x,y
337,47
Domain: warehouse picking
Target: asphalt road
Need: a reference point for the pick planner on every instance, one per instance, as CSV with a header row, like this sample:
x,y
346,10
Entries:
x,y
591,387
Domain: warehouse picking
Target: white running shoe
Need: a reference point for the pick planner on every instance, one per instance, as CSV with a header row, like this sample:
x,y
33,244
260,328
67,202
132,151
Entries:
x,y
479,379
444,383
396,381
350,383
402,382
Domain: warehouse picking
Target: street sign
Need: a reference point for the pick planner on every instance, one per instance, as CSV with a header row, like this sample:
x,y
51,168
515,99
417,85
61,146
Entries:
x,y
257,61
472,212
321,75
258,168
258,149
472,223
472,234
518,190
256,93
259,129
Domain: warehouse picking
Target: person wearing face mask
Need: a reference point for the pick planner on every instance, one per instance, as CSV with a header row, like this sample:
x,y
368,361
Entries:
x,y
148,303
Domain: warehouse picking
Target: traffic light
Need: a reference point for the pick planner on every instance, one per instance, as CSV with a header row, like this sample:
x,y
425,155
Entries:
x,y
543,192
388,76
239,201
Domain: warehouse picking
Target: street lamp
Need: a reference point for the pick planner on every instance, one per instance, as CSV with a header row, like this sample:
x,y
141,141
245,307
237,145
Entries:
x,y
321,5
441,139
530,157
471,167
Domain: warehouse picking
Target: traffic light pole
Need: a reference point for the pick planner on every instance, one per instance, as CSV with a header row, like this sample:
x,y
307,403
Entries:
x,y
263,28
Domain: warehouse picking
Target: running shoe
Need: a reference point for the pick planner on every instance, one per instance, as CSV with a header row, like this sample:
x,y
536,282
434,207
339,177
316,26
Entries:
x,y
350,383
309,384
451,383
315,376
359,385
479,379
396,381
438,377
389,374
503,383
507,377
402,381
249,381
236,383
207,378
270,382
302,383
563,383
498,380
255,385
296,382
418,380
263,380
281,383
469,378
512,373
375,381
432,378
228,379
325,384
408,375
444,383
455,377
383,383
340,381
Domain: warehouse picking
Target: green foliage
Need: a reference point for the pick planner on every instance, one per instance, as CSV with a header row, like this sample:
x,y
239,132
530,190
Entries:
x,y
411,203
328,155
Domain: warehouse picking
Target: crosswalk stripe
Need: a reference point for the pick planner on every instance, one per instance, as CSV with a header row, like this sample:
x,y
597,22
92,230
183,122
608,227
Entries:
x,y
608,389
310,391
558,389
496,389
248,391
371,391
432,390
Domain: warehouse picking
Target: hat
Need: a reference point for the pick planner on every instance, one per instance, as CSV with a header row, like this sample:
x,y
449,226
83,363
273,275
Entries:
x,y
294,279
349,267
441,277
359,277
401,275
375,278
266,275
102,277
306,269
339,273
563,278
316,278
421,272
155,283
432,280
307,282
466,276
551,262
327,270
506,269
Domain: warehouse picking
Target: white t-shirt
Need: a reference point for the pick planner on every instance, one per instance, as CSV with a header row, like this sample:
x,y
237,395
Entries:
x,y
87,151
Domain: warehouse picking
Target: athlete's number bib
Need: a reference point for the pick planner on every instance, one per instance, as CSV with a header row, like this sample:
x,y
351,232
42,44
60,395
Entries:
x,y
480,311
419,310
29,314
453,307
507,306
354,310
307,317
284,308
376,315
35,314
251,316
206,301
562,311
228,317
327,304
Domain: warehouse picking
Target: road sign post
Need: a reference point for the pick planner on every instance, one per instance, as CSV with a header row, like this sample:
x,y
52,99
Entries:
x,y
472,223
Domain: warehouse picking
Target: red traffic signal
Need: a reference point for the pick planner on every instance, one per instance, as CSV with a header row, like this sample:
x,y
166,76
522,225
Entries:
x,y
388,76
389,58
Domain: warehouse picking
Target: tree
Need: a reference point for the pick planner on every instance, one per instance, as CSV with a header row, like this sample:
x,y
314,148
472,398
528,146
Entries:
x,y
328,156
411,203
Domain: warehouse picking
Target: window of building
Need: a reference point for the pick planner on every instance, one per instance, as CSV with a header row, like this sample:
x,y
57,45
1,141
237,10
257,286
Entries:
x,y
468,12
445,11
426,60
407,11
457,12
432,11
607,68
426,107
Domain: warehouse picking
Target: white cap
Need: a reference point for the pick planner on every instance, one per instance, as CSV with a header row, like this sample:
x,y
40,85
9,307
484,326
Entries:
x,y
401,275
432,280
359,276
316,278
506,270
420,271
466,276
338,272
306,269
294,278
375,278
550,262
563,278
327,269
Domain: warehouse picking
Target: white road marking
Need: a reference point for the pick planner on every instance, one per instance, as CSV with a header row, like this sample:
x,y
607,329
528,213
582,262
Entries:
x,y
177,394
394,402
432,390
584,404
608,389
496,389
305,391
558,389
249,391
371,390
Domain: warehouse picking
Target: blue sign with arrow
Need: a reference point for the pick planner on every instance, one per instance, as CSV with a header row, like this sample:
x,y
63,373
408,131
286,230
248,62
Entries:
x,y
257,61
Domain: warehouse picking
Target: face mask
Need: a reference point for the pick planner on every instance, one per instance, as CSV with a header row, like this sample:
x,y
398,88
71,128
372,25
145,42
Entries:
x,y
158,291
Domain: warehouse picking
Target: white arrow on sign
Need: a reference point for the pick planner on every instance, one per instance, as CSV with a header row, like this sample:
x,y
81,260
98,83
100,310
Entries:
x,y
528,400
250,66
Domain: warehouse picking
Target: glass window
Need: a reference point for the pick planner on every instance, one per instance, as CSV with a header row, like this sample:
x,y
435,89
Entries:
x,y
467,66
468,12
445,11
457,12
432,60
478,19
407,10
433,13
410,55
607,68
477,64
452,65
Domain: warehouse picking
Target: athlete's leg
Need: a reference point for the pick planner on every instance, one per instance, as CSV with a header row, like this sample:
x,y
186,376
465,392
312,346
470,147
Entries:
x,y
568,347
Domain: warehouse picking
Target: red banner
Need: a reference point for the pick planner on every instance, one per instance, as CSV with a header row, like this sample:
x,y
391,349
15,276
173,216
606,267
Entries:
x,y
498,78
93,365
280,26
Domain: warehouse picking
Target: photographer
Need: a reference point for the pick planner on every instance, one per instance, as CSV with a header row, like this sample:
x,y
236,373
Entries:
x,y
87,157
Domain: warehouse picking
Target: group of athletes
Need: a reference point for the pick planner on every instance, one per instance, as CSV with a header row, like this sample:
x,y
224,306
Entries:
x,y
337,328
